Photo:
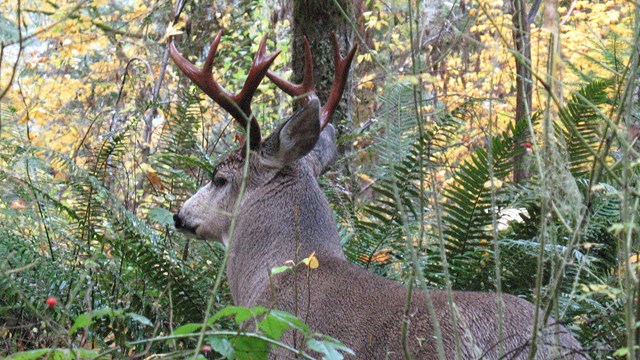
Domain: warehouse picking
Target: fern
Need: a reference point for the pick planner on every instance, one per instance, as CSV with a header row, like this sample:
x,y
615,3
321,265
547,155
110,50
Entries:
x,y
580,124
178,151
406,159
88,221
468,212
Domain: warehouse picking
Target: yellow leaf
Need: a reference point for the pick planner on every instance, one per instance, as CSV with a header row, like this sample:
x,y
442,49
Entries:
x,y
60,176
367,80
366,178
312,261
146,168
175,29
496,184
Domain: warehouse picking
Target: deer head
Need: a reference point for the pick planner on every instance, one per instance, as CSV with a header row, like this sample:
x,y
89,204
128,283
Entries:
x,y
304,143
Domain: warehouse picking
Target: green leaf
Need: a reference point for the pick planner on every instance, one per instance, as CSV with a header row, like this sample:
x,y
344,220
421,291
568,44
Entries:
x,y
621,352
254,312
251,348
161,215
280,269
83,320
291,320
273,326
241,313
86,319
222,346
328,347
187,329
139,318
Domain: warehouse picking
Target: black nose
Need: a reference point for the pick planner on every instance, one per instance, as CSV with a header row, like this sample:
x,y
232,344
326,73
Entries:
x,y
177,221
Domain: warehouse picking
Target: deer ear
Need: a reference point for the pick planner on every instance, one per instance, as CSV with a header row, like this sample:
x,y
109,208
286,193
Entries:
x,y
325,152
295,137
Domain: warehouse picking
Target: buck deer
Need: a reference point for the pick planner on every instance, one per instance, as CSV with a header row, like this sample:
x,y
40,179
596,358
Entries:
x,y
284,215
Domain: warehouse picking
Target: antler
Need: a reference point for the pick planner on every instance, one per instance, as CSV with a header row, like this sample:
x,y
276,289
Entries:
x,y
237,105
307,89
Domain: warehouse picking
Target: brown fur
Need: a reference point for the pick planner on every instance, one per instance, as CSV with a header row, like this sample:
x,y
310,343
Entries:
x,y
284,215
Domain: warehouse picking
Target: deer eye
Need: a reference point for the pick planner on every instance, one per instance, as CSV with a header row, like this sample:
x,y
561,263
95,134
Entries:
x,y
218,181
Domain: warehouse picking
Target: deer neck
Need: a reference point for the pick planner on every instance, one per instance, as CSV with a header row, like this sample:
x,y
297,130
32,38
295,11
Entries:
x,y
287,220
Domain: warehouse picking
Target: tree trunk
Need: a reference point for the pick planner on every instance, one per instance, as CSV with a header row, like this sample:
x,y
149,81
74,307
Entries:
x,y
317,19
524,85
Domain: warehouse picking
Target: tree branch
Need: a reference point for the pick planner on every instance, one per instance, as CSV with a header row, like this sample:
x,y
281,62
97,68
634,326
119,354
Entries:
x,y
533,11
15,65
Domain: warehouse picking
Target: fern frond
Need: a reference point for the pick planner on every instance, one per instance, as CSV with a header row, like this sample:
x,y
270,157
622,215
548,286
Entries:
x,y
407,155
468,212
580,125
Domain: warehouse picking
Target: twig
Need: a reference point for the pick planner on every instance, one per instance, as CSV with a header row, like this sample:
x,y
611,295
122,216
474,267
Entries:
x,y
15,65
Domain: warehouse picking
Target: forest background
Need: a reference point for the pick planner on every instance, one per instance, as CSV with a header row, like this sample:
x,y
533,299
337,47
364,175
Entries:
x,y
497,140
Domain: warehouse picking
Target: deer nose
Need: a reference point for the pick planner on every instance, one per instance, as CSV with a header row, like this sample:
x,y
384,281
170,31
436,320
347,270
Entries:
x,y
177,221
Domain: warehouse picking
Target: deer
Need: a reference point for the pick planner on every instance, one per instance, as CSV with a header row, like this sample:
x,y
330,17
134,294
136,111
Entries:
x,y
283,215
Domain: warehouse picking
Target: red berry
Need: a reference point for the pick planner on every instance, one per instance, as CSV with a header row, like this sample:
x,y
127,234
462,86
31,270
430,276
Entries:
x,y
527,145
51,302
206,349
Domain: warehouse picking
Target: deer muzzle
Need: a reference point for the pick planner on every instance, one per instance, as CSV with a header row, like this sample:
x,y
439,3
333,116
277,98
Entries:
x,y
182,226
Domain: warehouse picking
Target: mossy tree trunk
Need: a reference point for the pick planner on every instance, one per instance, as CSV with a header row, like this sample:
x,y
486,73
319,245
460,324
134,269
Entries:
x,y
317,19
524,84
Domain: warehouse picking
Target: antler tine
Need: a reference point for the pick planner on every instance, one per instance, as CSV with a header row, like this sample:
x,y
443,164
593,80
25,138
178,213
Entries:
x,y
342,66
307,87
259,69
237,105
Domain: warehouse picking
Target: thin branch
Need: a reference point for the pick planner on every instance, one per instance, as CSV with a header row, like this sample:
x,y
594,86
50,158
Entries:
x,y
124,77
15,65
533,11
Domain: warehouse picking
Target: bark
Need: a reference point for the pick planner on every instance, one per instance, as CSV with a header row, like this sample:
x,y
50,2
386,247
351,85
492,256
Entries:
x,y
524,85
434,43
317,19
